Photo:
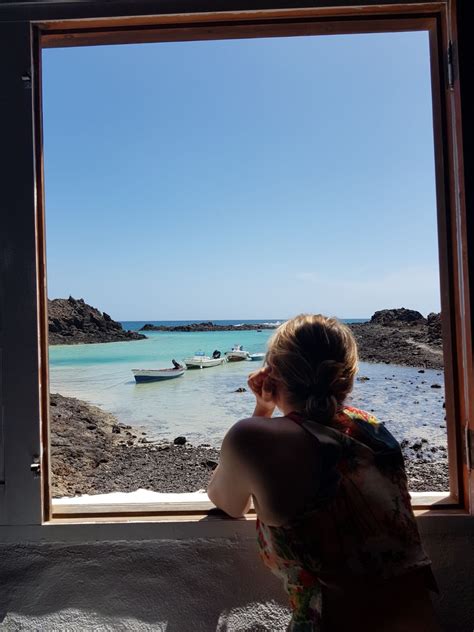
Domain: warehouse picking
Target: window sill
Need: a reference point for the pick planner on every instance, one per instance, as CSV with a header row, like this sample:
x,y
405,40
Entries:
x,y
160,506
148,503
176,518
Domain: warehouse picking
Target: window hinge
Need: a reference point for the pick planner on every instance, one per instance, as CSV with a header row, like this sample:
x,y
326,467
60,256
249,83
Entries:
x,y
469,448
35,467
26,78
450,66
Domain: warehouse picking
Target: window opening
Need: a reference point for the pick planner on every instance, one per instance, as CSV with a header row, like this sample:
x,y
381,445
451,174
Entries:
x,y
177,173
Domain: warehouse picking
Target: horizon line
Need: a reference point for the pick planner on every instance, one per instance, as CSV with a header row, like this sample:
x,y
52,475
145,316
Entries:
x,y
207,320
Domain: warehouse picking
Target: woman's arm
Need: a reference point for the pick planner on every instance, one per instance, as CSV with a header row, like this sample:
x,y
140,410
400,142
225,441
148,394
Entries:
x,y
235,478
230,487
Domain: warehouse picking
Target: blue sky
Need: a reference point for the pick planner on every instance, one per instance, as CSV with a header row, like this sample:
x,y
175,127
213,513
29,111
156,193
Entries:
x,y
242,179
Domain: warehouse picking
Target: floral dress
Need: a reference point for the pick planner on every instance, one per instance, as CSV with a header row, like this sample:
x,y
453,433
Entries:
x,y
358,527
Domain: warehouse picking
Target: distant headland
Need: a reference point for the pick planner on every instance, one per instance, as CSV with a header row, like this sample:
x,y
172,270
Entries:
x,y
209,326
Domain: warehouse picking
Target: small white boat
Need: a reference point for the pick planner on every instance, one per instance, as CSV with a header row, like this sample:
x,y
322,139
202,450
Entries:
x,y
257,357
237,354
158,375
201,361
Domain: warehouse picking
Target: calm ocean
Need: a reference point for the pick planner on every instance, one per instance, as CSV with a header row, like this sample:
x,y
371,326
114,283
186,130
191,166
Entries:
x,y
202,404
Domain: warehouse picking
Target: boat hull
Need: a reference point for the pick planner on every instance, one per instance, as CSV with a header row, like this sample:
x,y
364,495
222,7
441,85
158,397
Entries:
x,y
257,357
142,375
238,356
204,363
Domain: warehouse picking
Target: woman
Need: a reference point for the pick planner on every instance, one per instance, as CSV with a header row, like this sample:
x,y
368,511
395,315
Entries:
x,y
329,488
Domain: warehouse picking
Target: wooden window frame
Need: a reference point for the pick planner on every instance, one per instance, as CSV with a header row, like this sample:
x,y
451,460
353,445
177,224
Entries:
x,y
26,393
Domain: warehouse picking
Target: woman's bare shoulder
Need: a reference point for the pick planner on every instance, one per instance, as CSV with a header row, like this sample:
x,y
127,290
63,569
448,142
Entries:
x,y
261,425
252,433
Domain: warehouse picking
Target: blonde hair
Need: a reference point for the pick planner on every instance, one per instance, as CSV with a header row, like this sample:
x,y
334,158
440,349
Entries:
x,y
315,359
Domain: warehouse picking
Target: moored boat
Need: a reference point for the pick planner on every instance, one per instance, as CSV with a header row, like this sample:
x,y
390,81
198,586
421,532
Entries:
x,y
158,375
257,357
201,361
237,354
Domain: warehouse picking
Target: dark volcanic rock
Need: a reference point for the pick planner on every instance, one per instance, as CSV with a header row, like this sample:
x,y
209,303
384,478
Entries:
x,y
207,326
434,328
104,461
426,465
400,336
72,321
399,315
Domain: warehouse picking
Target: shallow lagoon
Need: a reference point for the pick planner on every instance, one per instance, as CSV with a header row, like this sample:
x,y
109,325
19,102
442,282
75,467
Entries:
x,y
202,404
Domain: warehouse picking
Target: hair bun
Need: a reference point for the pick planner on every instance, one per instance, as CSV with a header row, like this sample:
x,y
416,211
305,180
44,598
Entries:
x,y
322,408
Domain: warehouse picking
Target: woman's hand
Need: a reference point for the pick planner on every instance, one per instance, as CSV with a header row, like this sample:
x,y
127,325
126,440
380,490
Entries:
x,y
262,386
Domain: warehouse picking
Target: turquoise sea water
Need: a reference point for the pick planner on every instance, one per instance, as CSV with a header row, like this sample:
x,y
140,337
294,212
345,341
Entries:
x,y
203,404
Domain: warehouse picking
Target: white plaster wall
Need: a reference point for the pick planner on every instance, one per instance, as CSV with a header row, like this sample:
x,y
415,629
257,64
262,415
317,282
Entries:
x,y
178,586
187,585
452,553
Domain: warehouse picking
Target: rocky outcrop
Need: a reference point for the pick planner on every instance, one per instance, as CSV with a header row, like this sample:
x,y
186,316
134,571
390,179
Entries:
x,y
72,321
396,316
401,336
207,326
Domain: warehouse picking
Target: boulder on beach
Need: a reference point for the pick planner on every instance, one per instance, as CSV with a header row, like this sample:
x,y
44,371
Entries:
x,y
72,321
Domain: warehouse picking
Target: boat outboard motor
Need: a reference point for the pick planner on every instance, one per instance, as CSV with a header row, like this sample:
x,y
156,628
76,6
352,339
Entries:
x,y
176,364
216,354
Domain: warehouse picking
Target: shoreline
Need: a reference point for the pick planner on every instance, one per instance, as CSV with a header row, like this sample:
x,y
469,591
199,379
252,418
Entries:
x,y
92,453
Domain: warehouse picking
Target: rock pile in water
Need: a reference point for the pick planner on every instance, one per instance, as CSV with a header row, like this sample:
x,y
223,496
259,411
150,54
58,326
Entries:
x,y
72,321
